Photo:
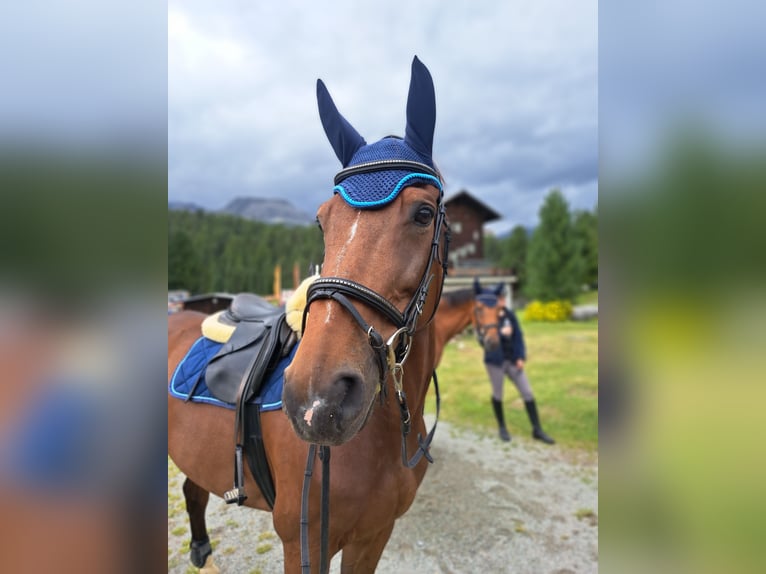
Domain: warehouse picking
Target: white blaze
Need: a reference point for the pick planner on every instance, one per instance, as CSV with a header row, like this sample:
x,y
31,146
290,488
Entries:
x,y
341,255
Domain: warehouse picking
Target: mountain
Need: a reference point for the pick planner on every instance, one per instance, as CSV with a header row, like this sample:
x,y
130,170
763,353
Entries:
x,y
184,206
267,210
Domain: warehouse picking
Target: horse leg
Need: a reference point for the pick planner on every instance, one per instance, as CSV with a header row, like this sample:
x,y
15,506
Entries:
x,y
196,503
363,556
292,551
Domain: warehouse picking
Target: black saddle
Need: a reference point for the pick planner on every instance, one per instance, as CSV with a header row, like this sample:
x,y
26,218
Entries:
x,y
235,375
261,337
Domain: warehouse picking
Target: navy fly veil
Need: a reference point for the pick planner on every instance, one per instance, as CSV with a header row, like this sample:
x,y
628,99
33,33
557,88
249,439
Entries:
x,y
487,295
374,174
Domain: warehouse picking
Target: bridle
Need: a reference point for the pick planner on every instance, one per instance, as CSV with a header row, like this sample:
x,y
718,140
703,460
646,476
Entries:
x,y
483,329
391,354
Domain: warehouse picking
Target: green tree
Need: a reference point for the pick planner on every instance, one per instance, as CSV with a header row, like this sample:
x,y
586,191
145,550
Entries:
x,y
229,253
235,266
554,263
183,263
586,234
515,255
493,249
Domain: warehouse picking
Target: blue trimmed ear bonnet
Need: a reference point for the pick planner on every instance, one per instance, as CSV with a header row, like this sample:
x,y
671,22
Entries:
x,y
487,295
374,174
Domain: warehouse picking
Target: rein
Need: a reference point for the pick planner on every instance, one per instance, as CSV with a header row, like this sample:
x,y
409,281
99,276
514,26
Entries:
x,y
324,456
324,520
391,356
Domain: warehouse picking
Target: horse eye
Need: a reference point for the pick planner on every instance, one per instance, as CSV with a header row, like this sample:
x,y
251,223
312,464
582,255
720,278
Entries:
x,y
319,225
424,215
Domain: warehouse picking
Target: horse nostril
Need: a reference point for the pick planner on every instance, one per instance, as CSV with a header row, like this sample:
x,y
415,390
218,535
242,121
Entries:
x,y
347,391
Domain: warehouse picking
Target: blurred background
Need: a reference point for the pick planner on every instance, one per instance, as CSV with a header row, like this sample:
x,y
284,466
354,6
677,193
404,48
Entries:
x,y
682,148
83,233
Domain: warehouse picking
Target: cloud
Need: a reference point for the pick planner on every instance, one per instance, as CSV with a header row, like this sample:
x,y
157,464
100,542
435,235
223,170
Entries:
x,y
516,94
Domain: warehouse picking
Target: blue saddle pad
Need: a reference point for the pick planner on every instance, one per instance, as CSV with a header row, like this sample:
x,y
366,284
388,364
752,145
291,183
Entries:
x,y
193,366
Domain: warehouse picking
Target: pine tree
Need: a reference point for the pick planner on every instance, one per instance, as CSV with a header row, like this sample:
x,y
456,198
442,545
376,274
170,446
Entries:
x,y
183,263
515,256
214,252
554,262
586,232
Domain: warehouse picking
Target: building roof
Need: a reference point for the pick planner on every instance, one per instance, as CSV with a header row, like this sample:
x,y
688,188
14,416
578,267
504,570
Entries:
x,y
465,198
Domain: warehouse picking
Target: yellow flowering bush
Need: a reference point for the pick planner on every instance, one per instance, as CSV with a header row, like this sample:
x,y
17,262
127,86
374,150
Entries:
x,y
550,311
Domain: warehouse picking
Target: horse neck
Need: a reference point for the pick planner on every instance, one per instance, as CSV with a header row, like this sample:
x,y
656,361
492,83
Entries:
x,y
455,319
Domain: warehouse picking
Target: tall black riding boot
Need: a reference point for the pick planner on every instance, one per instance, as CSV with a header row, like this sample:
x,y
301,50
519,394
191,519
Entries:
x,y
498,407
537,429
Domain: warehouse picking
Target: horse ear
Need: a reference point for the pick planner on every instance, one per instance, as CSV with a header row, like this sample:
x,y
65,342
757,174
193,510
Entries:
x,y
345,140
499,289
421,110
476,286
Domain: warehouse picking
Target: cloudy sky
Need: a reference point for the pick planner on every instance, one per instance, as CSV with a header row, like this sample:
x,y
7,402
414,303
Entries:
x,y
516,96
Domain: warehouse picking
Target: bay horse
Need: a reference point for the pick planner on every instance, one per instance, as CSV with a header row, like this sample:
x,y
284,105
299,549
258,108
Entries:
x,y
367,332
462,307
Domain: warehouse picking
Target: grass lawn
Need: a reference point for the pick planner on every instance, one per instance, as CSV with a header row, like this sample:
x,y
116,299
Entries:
x,y
562,367
587,298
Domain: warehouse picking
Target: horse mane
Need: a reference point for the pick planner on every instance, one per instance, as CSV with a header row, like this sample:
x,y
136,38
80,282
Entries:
x,y
458,296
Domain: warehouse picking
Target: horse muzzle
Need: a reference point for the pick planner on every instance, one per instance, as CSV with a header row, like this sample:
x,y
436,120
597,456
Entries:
x,y
490,343
334,413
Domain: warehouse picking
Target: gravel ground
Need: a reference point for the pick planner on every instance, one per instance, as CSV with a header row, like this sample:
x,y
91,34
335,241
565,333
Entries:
x,y
484,506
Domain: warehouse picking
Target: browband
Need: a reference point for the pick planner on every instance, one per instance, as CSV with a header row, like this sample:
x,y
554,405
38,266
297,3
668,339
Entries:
x,y
386,165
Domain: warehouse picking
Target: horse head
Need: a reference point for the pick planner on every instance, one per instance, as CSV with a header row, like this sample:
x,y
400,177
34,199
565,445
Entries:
x,y
486,309
384,263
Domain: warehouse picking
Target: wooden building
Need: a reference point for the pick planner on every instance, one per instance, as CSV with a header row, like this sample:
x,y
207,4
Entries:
x,y
467,216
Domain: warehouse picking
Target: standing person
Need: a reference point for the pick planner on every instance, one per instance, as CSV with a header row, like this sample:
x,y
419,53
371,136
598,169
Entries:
x,y
509,359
